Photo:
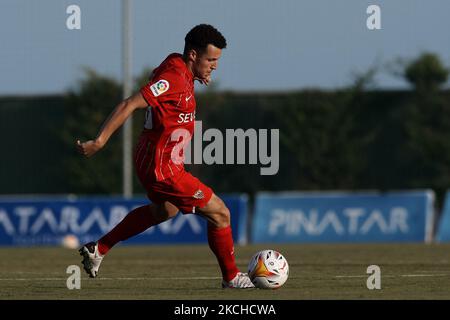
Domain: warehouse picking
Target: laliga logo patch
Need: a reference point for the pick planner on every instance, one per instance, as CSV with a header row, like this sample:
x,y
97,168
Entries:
x,y
159,87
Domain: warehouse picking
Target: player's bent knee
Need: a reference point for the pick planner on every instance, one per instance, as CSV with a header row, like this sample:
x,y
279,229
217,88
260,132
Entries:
x,y
216,212
222,217
163,212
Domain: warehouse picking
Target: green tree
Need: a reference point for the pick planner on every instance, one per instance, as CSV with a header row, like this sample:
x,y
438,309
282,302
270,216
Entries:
x,y
426,73
427,125
88,105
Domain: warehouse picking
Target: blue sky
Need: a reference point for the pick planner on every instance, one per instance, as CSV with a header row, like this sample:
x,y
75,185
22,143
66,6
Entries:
x,y
272,45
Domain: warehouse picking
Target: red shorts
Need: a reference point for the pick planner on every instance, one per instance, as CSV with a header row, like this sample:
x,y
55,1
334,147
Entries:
x,y
184,191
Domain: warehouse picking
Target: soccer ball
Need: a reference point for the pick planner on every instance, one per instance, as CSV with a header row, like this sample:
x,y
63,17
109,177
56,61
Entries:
x,y
70,241
268,269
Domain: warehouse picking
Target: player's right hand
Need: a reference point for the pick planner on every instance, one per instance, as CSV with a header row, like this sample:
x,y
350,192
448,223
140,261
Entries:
x,y
88,148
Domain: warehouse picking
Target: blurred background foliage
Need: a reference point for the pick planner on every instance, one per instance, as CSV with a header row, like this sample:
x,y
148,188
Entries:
x,y
353,138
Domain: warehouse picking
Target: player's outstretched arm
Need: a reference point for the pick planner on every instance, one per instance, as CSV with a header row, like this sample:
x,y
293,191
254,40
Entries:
x,y
116,119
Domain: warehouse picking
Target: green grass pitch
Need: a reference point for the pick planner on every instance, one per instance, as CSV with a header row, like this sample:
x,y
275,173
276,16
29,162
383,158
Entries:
x,y
190,272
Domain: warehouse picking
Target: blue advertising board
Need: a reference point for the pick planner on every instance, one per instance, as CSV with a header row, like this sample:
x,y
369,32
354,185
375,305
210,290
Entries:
x,y
45,221
343,217
443,232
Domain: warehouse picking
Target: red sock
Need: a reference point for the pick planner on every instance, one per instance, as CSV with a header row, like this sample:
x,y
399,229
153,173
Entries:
x,y
221,243
135,222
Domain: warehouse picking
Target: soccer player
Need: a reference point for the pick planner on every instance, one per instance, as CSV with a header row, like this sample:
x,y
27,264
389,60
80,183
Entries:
x,y
158,156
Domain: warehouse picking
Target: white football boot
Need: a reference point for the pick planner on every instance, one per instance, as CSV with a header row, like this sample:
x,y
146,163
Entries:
x,y
91,258
241,281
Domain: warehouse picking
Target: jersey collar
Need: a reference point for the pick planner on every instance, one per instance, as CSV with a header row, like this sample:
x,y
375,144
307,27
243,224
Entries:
x,y
177,59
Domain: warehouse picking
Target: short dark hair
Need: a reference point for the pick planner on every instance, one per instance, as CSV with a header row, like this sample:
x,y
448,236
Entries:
x,y
200,36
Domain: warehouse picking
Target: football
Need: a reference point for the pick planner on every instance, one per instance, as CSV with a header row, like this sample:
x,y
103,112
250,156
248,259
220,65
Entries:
x,y
70,241
268,269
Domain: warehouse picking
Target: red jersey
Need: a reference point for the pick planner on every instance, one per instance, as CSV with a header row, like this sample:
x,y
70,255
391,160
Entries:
x,y
170,119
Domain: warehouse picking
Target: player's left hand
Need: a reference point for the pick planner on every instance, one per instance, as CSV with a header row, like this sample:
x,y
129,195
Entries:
x,y
88,148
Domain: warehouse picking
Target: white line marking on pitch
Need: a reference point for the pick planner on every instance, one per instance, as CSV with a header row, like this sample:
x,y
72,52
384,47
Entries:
x,y
425,275
114,279
401,275
207,278
32,279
